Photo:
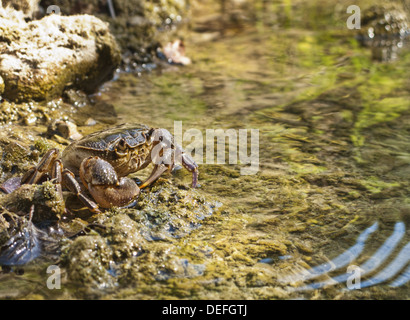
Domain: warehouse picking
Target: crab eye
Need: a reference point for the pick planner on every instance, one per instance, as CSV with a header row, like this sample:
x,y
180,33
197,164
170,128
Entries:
x,y
122,145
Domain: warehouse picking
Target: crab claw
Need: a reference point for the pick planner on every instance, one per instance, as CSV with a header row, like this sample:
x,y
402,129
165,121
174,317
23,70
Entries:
x,y
165,154
104,185
155,174
177,154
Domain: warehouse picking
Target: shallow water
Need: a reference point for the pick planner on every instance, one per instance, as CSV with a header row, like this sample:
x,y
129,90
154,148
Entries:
x,y
332,189
333,138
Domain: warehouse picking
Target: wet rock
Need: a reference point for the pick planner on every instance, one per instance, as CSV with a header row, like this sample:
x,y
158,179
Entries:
x,y
88,261
180,268
47,203
5,224
20,240
155,11
139,26
90,122
33,112
41,58
383,20
64,128
168,211
69,7
126,250
124,237
16,154
76,98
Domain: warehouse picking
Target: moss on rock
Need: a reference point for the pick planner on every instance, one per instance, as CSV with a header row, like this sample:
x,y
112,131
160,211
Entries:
x,y
88,261
41,58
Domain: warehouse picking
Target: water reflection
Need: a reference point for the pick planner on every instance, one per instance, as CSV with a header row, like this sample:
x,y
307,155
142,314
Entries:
x,y
385,49
392,270
385,29
320,104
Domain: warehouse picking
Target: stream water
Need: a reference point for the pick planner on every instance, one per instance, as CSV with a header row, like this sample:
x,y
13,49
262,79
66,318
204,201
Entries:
x,y
326,214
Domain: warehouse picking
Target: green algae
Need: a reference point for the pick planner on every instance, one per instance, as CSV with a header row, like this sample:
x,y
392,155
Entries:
x,y
127,247
88,260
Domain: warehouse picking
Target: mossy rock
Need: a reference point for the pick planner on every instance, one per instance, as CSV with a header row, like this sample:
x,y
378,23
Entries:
x,y
41,58
88,261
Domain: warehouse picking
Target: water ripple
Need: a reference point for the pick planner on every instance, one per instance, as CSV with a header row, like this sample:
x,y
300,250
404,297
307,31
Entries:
x,y
340,261
385,251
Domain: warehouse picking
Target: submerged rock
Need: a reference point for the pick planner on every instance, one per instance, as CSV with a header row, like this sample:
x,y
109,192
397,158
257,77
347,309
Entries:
x,y
385,20
41,58
384,30
20,240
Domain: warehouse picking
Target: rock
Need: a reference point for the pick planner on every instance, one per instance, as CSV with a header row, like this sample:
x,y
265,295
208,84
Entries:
x,y
384,28
1,85
139,26
155,11
41,58
385,20
90,122
88,262
70,7
47,202
27,7
64,128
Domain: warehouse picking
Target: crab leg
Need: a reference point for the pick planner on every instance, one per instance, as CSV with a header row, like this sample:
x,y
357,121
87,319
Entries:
x,y
35,174
192,167
10,185
155,174
71,183
186,161
50,165
56,175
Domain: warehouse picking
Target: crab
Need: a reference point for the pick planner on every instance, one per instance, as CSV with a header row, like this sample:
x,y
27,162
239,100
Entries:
x,y
103,159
